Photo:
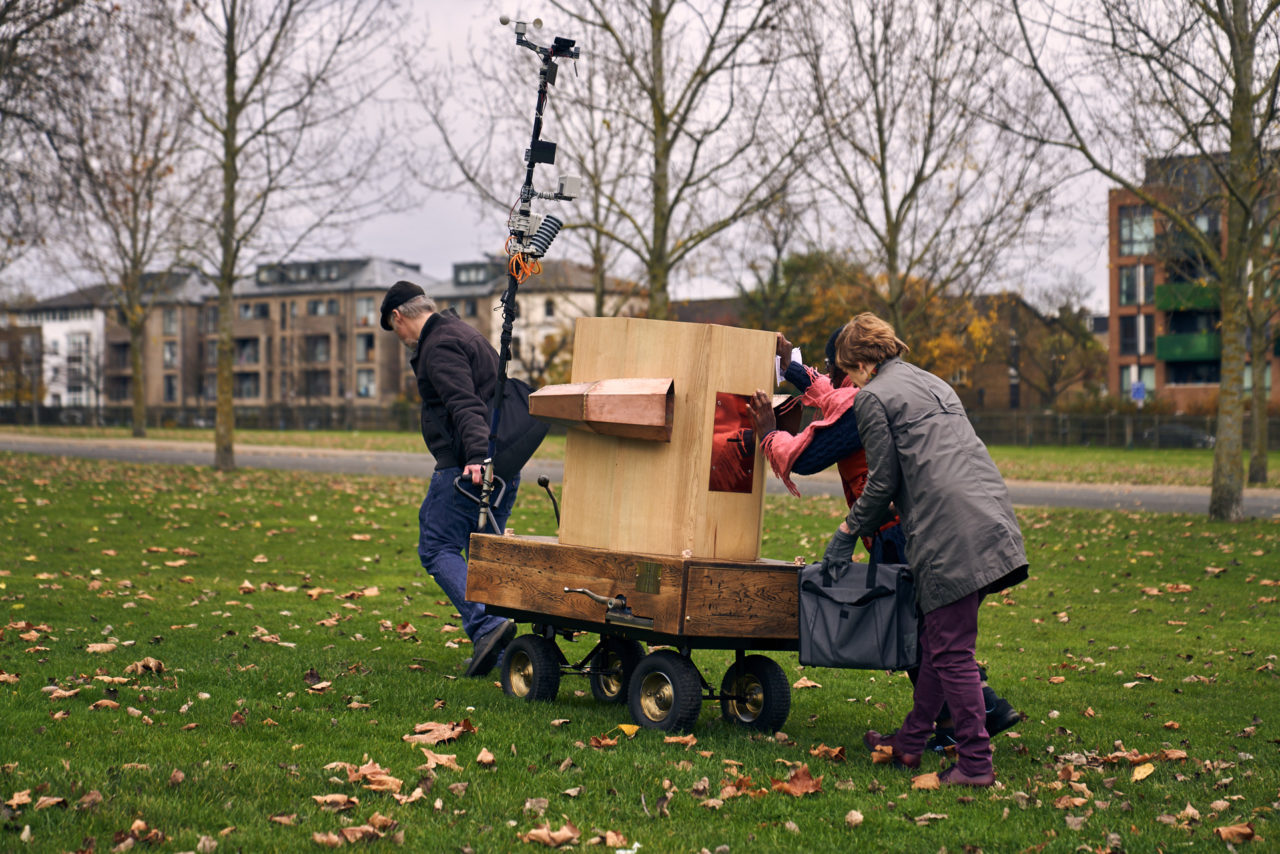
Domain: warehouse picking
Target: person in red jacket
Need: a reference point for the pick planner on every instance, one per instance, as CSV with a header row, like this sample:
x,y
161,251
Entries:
x,y
832,438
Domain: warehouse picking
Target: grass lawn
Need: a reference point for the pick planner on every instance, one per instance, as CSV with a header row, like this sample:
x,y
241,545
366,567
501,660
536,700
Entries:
x,y
187,655
1062,464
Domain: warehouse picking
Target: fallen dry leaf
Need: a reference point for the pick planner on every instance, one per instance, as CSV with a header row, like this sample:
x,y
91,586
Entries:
x,y
926,781
800,783
806,682
446,760
1143,771
336,802
544,835
100,647
148,664
485,758
853,818
834,754
1235,832
287,819
47,801
328,839
687,740
600,741
439,733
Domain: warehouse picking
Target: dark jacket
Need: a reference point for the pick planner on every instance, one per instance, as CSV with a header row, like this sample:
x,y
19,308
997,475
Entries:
x,y
923,456
457,371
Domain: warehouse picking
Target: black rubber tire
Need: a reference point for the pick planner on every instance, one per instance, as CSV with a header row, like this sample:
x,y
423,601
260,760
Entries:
x,y
531,668
756,695
621,656
665,692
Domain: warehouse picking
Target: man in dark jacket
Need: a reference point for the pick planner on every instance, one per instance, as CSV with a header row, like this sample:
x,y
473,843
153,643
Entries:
x,y
457,371
963,539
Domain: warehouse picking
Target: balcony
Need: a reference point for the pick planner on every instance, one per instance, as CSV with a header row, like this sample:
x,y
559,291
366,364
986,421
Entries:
x,y
1188,296
1189,347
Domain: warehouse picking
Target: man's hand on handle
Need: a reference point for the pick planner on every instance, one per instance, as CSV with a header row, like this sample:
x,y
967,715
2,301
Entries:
x,y
473,472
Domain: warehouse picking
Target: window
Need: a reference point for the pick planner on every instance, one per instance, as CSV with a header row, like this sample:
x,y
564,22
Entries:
x,y
315,307
317,348
333,308
170,321
469,308
118,356
365,315
315,384
209,316
1129,336
170,354
209,387
1148,334
245,384
1148,284
549,308
170,388
78,344
4,350
364,347
51,348
1131,289
246,311
211,353
1137,230
1015,389
246,351
364,383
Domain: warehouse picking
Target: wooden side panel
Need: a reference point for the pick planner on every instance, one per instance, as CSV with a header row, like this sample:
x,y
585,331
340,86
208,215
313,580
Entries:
x,y
530,574
629,495
749,602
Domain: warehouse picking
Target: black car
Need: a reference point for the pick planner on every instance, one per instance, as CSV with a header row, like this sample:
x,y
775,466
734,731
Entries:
x,y
1178,436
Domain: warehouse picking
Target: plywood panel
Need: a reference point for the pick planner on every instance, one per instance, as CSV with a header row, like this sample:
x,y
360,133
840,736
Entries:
x,y
530,574
756,602
631,495
683,596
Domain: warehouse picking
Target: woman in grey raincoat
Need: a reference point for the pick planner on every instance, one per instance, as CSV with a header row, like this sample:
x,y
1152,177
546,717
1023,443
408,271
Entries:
x,y
963,539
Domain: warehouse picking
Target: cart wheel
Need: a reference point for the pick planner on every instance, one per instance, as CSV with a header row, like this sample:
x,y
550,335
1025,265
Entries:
x,y
756,695
531,668
611,669
665,692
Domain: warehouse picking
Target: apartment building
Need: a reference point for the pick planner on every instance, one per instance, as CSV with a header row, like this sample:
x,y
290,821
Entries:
x,y
1165,322
304,333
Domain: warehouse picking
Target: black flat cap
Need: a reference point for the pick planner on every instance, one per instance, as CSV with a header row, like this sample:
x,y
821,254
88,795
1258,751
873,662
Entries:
x,y
397,295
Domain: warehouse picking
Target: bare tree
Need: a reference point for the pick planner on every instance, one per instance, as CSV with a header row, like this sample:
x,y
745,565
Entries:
x,y
125,149
1170,83
279,88
45,48
677,130
941,201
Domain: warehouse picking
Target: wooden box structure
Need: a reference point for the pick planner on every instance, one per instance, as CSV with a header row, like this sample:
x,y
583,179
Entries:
x,y
676,497
707,603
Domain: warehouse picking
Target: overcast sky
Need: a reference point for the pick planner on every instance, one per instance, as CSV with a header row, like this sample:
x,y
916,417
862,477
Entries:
x,y
448,229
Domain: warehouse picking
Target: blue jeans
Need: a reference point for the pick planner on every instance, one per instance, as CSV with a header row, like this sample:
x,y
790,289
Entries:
x,y
446,521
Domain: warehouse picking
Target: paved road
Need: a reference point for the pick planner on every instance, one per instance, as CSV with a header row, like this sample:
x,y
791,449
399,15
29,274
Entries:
x,y
1263,503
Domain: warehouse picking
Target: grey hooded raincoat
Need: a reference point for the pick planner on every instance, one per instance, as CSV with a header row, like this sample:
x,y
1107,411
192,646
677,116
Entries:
x,y
923,456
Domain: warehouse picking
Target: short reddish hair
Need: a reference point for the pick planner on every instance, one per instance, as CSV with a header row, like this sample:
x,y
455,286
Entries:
x,y
866,339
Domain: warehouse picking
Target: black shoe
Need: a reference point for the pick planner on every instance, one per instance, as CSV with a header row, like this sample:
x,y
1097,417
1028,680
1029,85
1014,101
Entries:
x,y
1000,716
488,647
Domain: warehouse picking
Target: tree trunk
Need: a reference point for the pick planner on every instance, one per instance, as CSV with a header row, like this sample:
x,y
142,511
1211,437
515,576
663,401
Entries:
x,y
1261,370
659,265
224,458
137,340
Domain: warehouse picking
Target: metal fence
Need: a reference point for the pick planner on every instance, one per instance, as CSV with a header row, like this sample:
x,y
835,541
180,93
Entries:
x,y
1114,430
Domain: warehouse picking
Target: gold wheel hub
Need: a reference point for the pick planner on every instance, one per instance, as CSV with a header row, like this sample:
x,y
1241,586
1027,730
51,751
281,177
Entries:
x,y
749,699
521,674
611,683
657,696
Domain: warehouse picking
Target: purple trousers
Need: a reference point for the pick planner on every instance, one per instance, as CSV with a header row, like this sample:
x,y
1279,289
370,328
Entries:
x,y
949,673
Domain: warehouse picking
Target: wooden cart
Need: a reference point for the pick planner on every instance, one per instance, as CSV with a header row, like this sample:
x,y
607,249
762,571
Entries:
x,y
629,599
